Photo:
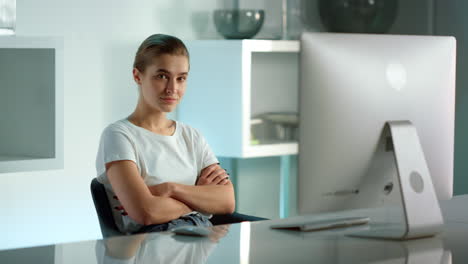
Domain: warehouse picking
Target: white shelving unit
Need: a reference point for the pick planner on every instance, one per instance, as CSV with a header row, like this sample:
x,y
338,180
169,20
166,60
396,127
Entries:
x,y
31,103
232,81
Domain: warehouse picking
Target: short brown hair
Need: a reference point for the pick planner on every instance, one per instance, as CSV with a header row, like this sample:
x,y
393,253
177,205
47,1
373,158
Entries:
x,y
156,45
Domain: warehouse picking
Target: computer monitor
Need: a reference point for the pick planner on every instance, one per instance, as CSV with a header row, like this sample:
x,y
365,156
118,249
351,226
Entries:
x,y
350,86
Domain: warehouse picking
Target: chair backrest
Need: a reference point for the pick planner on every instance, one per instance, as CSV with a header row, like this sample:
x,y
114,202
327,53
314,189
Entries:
x,y
103,210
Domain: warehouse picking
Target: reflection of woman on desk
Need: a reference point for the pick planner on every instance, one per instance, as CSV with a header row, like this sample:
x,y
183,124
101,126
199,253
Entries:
x,y
158,248
160,173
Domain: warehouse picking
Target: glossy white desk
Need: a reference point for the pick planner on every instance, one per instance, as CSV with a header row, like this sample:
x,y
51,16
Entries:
x,y
257,243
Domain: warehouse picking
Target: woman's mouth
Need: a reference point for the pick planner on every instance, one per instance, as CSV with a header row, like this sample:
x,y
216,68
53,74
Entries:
x,y
168,100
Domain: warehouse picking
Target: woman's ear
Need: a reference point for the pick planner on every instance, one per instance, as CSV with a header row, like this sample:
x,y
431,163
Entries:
x,y
136,76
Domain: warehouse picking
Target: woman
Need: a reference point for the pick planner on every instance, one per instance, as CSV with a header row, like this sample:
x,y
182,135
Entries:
x,y
160,173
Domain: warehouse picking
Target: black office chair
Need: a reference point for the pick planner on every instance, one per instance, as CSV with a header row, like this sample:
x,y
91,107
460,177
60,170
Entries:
x,y
109,229
103,210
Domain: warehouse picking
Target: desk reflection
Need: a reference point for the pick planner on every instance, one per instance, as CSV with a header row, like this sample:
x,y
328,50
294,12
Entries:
x,y
159,248
427,251
251,243
334,247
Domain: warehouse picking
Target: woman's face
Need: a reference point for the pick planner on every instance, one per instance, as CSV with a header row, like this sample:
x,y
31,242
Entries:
x,y
162,84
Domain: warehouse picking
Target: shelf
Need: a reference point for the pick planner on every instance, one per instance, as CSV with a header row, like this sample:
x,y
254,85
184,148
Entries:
x,y
257,45
230,82
269,150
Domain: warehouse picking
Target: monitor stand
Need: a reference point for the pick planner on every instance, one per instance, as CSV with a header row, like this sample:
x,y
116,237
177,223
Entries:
x,y
422,214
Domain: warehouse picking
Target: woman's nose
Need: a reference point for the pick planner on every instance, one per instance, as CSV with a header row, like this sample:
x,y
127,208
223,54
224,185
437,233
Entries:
x,y
171,87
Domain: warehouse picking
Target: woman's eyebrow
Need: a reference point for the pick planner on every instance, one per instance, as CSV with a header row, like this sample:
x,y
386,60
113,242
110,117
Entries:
x,y
163,70
168,72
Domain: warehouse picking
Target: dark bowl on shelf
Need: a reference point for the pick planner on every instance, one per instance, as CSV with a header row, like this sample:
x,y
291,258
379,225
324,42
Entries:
x,y
238,23
358,16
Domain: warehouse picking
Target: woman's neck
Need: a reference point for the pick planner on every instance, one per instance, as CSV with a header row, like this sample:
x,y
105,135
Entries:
x,y
155,121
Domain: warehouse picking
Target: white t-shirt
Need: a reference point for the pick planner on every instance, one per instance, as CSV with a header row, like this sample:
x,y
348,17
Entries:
x,y
178,158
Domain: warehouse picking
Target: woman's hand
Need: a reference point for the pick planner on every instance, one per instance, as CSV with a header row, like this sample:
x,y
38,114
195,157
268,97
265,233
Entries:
x,y
213,175
165,189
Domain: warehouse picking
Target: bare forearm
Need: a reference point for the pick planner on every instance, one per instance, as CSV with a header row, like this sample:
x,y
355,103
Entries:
x,y
137,200
213,199
164,209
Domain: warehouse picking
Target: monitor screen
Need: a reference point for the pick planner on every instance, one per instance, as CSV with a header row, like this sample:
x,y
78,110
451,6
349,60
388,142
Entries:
x,y
350,86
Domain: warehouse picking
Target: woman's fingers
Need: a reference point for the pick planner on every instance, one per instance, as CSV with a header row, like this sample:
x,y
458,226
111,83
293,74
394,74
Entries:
x,y
224,181
214,179
218,172
202,181
217,180
221,179
208,170
213,175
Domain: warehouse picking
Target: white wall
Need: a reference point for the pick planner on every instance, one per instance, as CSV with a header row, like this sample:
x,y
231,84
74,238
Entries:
x,y
100,39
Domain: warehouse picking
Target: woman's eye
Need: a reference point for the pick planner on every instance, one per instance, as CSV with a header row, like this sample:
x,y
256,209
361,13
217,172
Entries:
x,y
161,76
182,79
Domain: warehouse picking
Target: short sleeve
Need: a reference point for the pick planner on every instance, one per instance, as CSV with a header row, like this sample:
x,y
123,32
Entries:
x,y
207,155
115,145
